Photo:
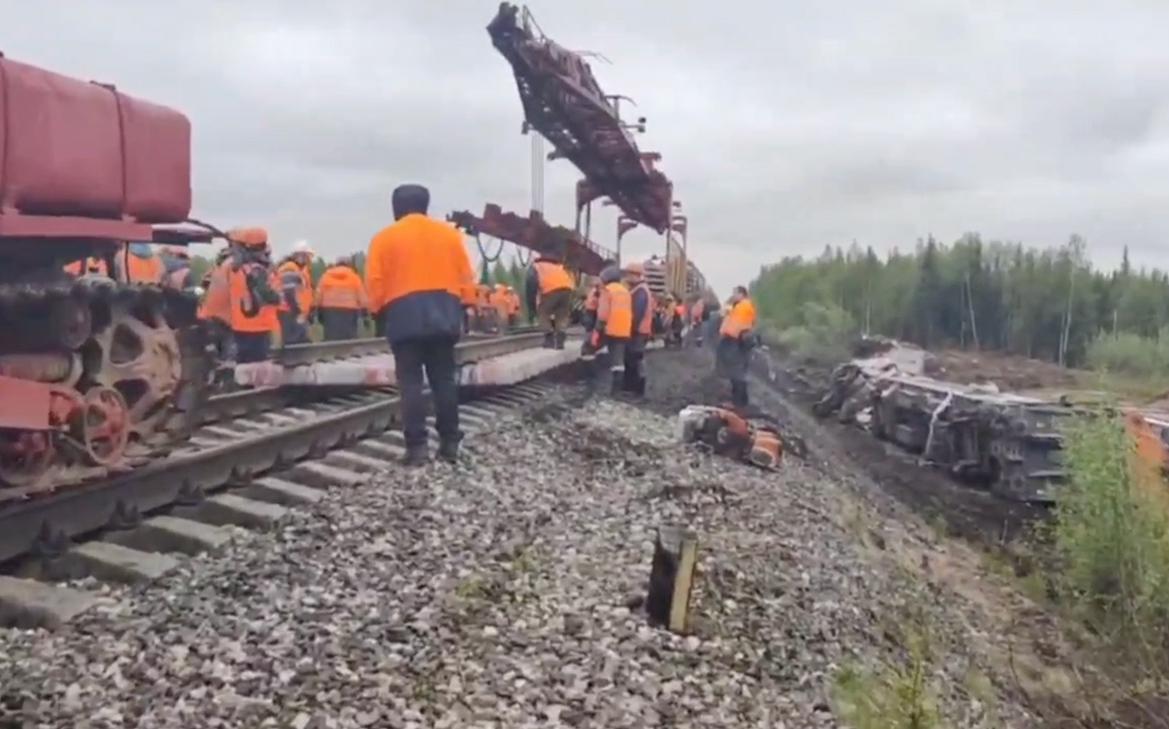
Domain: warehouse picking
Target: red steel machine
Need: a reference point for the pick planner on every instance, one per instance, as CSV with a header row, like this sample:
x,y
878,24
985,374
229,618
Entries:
x,y
90,368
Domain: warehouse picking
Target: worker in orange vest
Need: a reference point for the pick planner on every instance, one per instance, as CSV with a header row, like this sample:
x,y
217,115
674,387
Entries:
x,y
252,298
642,308
613,329
89,266
215,306
295,282
341,300
513,307
419,278
736,338
697,316
138,263
549,293
176,262
499,301
677,321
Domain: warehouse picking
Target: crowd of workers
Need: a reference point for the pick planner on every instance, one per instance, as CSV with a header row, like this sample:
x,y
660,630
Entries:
x,y
420,289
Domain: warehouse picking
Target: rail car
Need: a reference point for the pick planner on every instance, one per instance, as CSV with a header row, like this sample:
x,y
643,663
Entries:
x,y
91,368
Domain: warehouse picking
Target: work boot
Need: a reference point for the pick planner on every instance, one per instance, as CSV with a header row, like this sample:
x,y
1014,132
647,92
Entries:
x,y
549,340
416,456
617,384
640,391
560,337
449,451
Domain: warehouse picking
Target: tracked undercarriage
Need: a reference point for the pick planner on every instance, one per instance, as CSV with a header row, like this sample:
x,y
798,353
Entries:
x,y
94,375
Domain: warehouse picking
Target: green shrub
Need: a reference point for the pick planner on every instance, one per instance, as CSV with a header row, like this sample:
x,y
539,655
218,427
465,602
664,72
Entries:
x,y
1112,537
1130,354
823,334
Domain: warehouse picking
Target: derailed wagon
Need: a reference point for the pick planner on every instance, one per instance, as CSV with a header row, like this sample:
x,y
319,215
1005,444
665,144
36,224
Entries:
x,y
1007,442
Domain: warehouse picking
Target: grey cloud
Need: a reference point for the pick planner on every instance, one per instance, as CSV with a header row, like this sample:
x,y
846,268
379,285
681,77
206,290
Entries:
x,y
784,126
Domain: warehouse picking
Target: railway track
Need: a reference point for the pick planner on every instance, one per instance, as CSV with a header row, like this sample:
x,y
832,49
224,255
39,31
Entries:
x,y
256,453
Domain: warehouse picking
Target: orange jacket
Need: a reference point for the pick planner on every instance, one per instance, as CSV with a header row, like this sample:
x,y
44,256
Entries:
x,y
501,301
615,310
740,319
92,265
418,275
216,302
513,302
291,277
140,270
551,276
341,288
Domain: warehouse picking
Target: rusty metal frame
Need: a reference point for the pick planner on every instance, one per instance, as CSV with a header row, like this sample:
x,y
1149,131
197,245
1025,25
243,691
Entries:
x,y
532,232
563,101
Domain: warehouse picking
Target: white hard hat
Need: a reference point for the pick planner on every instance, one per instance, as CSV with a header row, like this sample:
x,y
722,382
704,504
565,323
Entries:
x,y
301,246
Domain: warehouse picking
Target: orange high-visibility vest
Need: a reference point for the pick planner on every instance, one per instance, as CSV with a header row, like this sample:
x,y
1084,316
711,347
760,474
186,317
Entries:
x,y
513,302
263,320
740,319
616,310
499,299
417,254
143,270
341,288
646,325
551,276
304,287
217,300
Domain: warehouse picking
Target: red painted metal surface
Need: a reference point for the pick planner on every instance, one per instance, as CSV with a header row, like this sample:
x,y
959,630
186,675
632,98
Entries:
x,y
563,101
535,234
26,404
71,148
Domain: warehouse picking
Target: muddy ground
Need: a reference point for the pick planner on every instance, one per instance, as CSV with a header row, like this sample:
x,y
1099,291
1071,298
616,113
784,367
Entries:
x,y
960,540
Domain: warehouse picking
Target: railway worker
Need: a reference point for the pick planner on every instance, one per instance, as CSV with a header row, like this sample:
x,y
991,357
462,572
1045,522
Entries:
x,y
138,263
614,327
642,308
513,308
253,300
177,262
295,282
697,316
735,341
549,293
215,306
592,299
341,300
677,320
501,304
89,266
419,278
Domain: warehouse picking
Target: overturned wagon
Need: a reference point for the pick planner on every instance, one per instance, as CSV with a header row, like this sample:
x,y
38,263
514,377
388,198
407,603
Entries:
x,y
1009,442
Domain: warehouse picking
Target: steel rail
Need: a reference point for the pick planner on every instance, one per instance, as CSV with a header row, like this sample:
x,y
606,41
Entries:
x,y
262,399
48,525
298,354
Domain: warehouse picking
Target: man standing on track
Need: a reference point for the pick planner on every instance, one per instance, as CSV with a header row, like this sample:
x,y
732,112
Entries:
x,y
296,283
642,305
340,300
418,276
614,327
549,292
735,340
253,301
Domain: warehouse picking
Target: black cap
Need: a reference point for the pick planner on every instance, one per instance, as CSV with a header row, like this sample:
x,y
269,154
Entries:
x,y
409,199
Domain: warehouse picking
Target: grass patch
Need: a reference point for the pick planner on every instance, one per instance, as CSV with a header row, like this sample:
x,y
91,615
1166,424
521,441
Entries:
x,y
822,336
1112,539
893,696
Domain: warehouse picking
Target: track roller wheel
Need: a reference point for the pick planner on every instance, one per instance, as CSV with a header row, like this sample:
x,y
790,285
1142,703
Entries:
x,y
25,457
71,322
103,426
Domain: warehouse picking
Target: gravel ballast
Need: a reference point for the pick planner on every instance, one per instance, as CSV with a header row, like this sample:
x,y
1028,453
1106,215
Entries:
x,y
506,592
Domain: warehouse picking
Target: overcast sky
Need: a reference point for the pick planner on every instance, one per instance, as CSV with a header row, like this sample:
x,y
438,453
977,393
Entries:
x,y
784,125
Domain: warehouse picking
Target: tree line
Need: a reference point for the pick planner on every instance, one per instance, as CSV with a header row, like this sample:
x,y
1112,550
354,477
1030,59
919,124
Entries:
x,y
1045,303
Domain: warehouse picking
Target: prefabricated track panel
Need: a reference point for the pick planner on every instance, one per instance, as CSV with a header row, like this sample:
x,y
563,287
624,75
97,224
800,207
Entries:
x,y
68,147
